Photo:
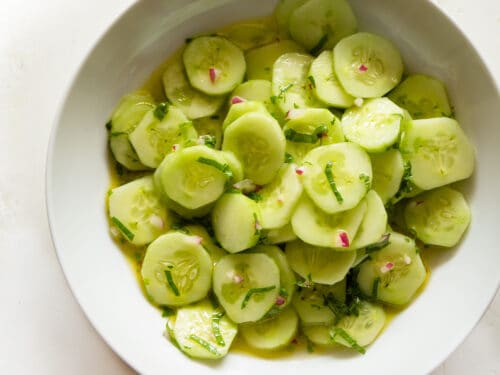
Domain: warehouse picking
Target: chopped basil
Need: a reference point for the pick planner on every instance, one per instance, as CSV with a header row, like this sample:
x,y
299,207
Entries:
x,y
337,331
216,328
294,136
319,46
161,110
209,140
288,158
171,283
312,81
205,344
253,291
331,181
366,180
126,232
224,168
255,196
376,282
281,95
384,242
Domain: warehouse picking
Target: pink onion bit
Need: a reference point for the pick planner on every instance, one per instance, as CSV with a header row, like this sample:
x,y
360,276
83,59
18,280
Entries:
x,y
294,113
175,147
344,239
300,171
257,225
156,221
363,68
280,301
387,267
214,73
197,240
237,99
237,279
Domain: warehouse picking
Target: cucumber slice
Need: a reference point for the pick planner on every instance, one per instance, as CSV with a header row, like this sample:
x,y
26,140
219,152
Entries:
x,y
334,176
235,165
208,244
316,227
279,235
279,198
308,128
283,11
203,332
319,264
363,328
194,177
438,151
125,118
214,65
209,130
320,24
160,131
438,217
309,302
260,61
273,333
367,65
326,85
291,87
388,170
239,109
374,222
193,103
422,96
258,142
287,277
248,35
394,273
375,125
258,90
176,270
318,334
138,212
236,222
247,285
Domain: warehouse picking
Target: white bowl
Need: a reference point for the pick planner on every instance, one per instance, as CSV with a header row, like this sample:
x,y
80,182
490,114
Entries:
x,y
463,280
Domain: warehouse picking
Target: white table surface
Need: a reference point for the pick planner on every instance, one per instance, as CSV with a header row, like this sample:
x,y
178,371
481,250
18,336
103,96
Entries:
x,y
43,330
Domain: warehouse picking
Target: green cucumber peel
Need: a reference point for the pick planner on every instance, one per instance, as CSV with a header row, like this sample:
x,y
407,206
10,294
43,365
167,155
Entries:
x,y
126,232
319,46
161,110
376,283
205,344
337,331
294,136
312,81
167,311
366,180
216,328
331,182
171,283
384,242
253,291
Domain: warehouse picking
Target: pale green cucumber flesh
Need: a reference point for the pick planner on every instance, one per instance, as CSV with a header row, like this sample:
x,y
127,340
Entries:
x,y
279,235
246,285
374,222
207,242
438,151
272,333
124,153
250,35
350,168
438,217
393,274
236,222
388,170
209,131
176,270
239,109
137,211
319,264
422,96
367,65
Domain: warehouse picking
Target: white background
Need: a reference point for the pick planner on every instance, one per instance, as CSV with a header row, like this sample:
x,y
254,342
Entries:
x,y
43,330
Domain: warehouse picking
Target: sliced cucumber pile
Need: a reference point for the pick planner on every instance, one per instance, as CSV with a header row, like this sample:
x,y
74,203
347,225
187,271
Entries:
x,y
294,182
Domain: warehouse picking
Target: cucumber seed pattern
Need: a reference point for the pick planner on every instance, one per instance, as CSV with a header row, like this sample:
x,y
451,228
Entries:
x,y
440,150
184,271
367,66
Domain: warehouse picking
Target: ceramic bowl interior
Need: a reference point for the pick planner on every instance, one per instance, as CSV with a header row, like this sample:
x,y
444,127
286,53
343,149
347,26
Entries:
x,y
463,280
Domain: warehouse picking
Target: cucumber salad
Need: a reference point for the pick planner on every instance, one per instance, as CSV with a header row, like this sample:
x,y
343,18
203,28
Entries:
x,y
285,182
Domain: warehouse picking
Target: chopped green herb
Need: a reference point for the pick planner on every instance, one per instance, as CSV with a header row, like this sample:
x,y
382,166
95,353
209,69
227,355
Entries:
x,y
108,125
331,181
366,180
294,136
224,168
161,110
376,282
384,242
308,283
171,283
253,291
205,344
337,331
233,190
209,140
319,46
313,82
167,311
281,95
288,158
126,232
255,196
407,185
216,328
